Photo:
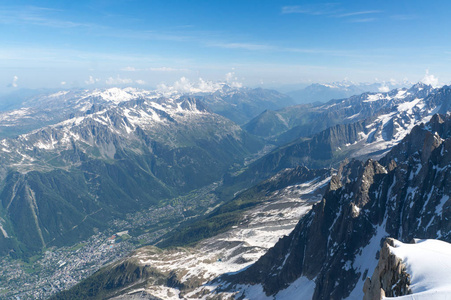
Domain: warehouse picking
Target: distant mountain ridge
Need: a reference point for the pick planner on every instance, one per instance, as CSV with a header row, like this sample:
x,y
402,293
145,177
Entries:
x,y
237,104
322,92
242,105
372,124
283,125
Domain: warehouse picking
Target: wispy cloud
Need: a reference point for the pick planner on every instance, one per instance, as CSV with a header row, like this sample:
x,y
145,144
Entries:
x,y
364,20
359,13
40,16
329,10
245,46
118,80
92,80
313,9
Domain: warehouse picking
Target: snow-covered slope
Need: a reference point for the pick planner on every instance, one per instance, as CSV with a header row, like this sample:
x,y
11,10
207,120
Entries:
x,y
259,229
117,122
392,125
236,103
428,262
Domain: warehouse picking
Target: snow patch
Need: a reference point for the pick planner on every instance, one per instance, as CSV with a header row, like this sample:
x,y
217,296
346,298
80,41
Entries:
x,y
302,288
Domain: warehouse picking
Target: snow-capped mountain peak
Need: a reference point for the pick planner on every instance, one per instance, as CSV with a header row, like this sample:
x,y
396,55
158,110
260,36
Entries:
x,y
118,95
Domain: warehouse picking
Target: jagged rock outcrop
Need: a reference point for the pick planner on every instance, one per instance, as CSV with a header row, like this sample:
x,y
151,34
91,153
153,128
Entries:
x,y
404,196
389,279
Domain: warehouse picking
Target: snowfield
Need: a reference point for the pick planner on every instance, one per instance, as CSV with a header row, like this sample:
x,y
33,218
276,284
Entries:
x,y
429,264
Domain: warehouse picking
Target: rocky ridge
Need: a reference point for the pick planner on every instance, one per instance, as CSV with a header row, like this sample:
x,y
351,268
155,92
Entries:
x,y
337,244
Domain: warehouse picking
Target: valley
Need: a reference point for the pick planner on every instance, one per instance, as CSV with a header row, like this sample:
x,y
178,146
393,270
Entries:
x,y
225,150
133,168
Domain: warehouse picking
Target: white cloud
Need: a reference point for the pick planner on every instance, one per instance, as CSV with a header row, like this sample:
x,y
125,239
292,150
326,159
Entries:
x,y
229,76
63,83
14,83
430,79
232,80
92,80
384,88
393,81
118,80
185,86
359,13
139,81
312,9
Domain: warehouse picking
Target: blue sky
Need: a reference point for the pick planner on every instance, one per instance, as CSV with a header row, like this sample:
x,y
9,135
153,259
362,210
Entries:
x,y
144,43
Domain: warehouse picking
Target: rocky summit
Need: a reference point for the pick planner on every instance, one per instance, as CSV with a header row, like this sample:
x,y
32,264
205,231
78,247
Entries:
x,y
336,246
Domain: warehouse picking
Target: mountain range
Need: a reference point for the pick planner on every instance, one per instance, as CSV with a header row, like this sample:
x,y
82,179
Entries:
x,y
324,92
110,157
332,251
331,180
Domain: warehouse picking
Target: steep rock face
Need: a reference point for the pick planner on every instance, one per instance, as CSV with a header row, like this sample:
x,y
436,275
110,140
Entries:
x,y
389,279
337,244
315,152
416,270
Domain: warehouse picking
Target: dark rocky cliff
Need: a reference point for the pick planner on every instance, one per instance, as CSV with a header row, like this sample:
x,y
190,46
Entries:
x,y
404,195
